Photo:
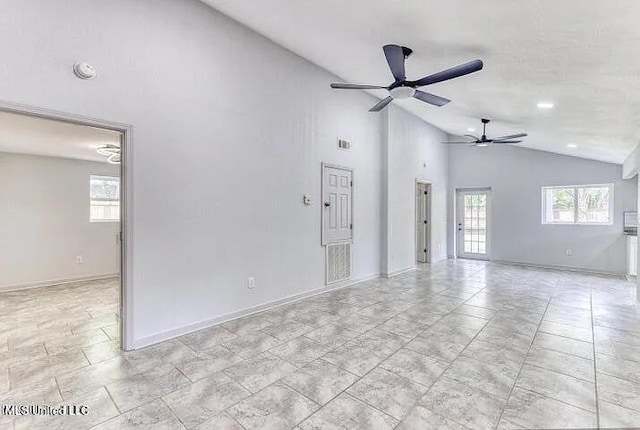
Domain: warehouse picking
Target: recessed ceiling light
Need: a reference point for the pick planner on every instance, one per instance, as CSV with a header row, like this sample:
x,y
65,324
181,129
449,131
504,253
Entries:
x,y
471,129
545,105
572,145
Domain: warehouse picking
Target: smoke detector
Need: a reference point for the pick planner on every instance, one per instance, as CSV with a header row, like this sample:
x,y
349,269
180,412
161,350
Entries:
x,y
84,70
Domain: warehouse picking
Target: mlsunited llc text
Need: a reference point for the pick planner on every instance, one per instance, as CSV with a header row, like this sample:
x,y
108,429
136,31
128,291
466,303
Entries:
x,y
61,410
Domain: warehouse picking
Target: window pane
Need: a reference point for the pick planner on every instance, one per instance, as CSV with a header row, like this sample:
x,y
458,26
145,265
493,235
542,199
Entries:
x,y
102,187
559,205
105,211
104,194
593,205
467,246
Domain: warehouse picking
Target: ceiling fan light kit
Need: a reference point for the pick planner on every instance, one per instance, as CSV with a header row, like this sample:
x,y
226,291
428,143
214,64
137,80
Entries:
x,y
401,88
112,152
401,93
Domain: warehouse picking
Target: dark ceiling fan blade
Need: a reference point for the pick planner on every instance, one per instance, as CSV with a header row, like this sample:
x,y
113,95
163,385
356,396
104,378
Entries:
x,y
511,137
506,141
454,72
395,59
459,143
339,86
431,98
381,104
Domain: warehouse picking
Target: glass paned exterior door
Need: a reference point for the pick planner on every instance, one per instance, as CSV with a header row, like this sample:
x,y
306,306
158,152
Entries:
x,y
473,223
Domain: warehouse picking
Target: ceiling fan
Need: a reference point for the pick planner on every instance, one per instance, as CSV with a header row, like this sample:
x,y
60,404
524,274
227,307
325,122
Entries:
x,y
483,141
401,88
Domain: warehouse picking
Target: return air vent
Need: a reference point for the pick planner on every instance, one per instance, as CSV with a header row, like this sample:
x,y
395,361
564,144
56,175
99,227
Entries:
x,y
338,262
344,144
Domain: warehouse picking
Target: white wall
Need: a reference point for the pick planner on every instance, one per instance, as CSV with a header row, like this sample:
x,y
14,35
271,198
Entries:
x,y
630,171
516,176
630,165
412,143
229,133
44,214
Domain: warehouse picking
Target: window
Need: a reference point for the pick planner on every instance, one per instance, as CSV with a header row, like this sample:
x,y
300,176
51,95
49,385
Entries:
x,y
584,204
105,199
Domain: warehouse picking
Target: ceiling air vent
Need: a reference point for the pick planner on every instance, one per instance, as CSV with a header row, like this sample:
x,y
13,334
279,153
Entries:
x,y
344,144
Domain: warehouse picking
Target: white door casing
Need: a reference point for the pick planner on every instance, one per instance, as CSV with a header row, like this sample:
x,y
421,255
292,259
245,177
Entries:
x,y
632,255
473,223
337,204
422,222
126,204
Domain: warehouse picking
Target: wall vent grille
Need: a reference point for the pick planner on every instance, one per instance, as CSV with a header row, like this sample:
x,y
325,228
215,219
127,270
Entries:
x,y
338,261
344,144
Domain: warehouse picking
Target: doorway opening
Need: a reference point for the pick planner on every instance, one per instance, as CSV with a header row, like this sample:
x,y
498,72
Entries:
x,y
473,223
64,208
423,222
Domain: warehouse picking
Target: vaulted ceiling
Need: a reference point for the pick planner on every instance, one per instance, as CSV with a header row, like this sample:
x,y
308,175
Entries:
x,y
581,56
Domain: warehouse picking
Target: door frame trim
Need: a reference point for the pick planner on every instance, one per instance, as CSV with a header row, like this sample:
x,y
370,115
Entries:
x,y
353,198
126,201
489,190
429,213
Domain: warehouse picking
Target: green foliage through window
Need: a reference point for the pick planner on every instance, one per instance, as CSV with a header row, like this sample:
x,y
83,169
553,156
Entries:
x,y
577,205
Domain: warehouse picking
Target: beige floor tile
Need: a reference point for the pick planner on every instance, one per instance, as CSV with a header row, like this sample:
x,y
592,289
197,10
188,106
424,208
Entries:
x,y
320,381
142,388
388,392
151,416
459,329
276,407
196,403
347,413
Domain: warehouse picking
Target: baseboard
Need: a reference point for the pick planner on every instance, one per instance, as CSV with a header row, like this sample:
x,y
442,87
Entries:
x,y
51,283
562,268
400,271
190,328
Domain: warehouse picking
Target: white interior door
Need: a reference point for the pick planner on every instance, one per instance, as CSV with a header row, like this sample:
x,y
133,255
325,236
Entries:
x,y
422,223
473,221
337,190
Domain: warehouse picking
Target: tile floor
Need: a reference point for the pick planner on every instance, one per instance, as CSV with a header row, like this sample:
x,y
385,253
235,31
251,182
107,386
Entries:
x,y
454,345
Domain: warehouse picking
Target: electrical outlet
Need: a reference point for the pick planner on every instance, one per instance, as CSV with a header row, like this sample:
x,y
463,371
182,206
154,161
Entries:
x,y
79,259
569,252
251,282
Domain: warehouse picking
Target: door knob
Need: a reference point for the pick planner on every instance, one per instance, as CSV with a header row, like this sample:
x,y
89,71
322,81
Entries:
x,y
327,204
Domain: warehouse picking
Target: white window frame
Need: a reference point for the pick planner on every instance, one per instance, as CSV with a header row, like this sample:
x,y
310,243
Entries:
x,y
575,204
91,199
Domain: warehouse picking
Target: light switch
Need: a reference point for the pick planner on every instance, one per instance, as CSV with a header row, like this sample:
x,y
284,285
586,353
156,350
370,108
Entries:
x,y
306,199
